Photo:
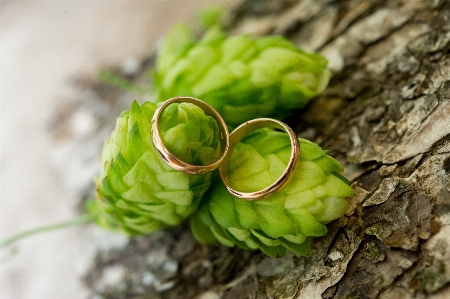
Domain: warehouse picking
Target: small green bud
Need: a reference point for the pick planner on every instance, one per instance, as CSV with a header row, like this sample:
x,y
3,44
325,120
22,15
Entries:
x,y
211,16
315,196
240,76
137,192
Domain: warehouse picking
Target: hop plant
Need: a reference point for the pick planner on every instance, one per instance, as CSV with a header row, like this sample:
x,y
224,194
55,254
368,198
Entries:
x,y
136,191
314,197
240,76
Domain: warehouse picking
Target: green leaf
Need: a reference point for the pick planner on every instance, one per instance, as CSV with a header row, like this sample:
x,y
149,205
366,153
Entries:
x,y
174,180
266,240
140,172
245,213
140,193
182,198
300,199
299,248
215,78
334,208
201,231
309,225
337,188
239,47
222,209
308,175
240,234
310,150
272,219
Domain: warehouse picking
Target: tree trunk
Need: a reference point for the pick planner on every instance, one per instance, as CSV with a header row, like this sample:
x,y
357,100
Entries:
x,y
385,116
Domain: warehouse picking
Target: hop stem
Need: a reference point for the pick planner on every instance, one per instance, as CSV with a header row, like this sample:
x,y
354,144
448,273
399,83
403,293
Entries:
x,y
77,221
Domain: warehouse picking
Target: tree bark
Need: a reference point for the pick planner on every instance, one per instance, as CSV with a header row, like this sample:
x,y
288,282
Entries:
x,y
385,116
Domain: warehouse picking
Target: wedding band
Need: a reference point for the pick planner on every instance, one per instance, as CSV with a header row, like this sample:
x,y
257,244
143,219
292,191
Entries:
x,y
171,159
242,131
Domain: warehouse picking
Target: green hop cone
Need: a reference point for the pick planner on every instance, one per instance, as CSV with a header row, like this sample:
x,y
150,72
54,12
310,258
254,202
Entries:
x,y
240,76
136,191
315,196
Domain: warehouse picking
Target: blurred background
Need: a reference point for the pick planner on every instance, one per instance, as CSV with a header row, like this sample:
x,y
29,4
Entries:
x,y
44,45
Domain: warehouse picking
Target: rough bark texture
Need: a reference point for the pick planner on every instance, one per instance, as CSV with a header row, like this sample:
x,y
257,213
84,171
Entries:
x,y
385,116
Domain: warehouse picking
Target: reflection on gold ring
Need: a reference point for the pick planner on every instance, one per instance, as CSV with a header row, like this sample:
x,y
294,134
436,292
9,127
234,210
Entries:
x,y
242,131
173,161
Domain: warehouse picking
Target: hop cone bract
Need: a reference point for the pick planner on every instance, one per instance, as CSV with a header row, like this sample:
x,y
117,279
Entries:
x,y
240,76
137,192
314,197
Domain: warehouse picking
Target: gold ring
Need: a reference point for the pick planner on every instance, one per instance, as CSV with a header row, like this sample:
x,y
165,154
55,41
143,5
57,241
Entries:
x,y
242,131
173,161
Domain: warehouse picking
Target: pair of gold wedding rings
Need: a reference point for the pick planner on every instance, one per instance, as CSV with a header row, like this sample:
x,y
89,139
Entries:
x,y
228,143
